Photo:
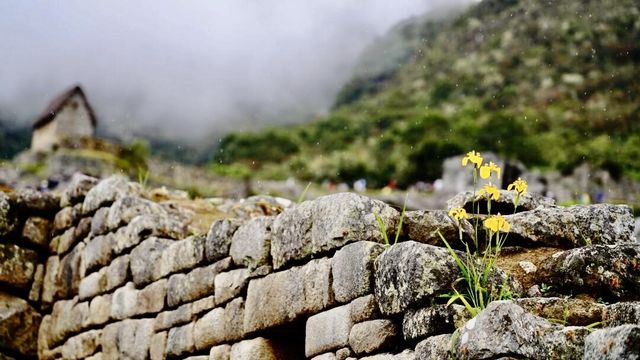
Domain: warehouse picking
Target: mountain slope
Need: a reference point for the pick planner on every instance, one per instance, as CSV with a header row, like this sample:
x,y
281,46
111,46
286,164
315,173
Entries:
x,y
553,84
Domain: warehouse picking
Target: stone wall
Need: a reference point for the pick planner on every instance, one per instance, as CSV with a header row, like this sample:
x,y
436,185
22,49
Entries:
x,y
124,277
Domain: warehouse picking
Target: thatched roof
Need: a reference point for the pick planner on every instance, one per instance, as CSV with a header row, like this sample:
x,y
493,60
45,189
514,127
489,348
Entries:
x,y
59,102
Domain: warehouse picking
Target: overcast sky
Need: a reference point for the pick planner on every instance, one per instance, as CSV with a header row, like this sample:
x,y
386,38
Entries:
x,y
187,69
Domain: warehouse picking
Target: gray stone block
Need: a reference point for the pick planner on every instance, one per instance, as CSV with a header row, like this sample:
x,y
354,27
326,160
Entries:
x,y
328,330
251,243
372,336
352,270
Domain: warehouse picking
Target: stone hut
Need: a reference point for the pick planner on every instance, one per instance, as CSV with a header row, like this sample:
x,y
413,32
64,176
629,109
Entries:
x,y
68,116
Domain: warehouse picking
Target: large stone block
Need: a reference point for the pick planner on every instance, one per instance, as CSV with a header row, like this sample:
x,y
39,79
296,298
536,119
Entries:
x,y
66,218
107,191
117,272
220,325
219,237
77,189
66,241
93,284
180,341
37,231
17,265
327,331
8,219
128,339
34,201
574,226
409,274
123,210
145,260
230,284
434,348
220,352
251,243
99,310
68,317
49,286
195,284
372,336
183,255
352,270
19,324
99,222
571,311
82,345
621,313
610,271
97,252
506,328
327,223
36,286
364,308
255,349
70,272
423,226
128,301
285,296
622,342
158,345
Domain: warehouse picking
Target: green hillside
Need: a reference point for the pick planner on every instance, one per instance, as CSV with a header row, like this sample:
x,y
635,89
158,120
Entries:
x,y
553,84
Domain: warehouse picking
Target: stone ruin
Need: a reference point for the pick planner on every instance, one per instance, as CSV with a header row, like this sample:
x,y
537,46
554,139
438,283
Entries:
x,y
101,272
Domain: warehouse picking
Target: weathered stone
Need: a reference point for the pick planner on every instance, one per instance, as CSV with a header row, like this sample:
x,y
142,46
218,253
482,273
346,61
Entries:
x,y
410,273
622,342
219,237
65,219
184,313
99,222
370,336
352,270
230,284
151,298
77,189
203,305
37,230
128,339
117,272
180,340
565,310
504,205
220,325
97,252
66,241
82,345
434,320
423,226
255,349
49,286
305,290
17,265
128,301
30,201
327,223
434,348
36,286
251,243
123,210
183,255
574,226
622,313
19,324
195,284
197,357
107,191
220,352
506,328
143,226
83,228
610,271
53,245
70,273
364,308
93,284
145,260
158,345
42,341
8,220
67,317
99,310
327,331
343,353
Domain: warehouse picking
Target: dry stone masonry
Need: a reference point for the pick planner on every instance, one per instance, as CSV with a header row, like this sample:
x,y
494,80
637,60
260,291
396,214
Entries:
x,y
102,272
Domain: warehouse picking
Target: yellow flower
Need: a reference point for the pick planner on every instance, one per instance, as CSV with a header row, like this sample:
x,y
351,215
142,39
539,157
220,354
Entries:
x,y
474,157
519,185
487,169
491,190
497,223
458,213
